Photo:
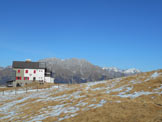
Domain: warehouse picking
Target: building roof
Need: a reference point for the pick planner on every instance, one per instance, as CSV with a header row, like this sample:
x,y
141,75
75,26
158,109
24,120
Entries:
x,y
28,65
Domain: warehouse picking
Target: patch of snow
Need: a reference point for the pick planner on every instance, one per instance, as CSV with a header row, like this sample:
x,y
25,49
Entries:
x,y
154,75
78,96
91,105
135,82
71,110
56,111
100,104
137,94
116,90
89,84
128,89
81,104
97,89
66,117
11,108
158,88
147,80
6,108
63,97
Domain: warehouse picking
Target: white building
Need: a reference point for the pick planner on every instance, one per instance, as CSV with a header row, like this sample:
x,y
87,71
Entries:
x,y
27,72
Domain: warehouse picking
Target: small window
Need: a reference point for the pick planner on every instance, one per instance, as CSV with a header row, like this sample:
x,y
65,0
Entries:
x,y
18,71
26,71
18,78
26,78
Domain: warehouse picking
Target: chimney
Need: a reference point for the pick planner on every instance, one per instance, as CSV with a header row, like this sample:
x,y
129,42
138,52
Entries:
x,y
28,60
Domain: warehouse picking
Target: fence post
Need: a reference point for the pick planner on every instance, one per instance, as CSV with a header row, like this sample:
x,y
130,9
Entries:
x,y
26,89
15,90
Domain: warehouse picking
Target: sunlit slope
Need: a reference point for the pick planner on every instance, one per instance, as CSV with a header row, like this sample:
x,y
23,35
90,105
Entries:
x,y
128,99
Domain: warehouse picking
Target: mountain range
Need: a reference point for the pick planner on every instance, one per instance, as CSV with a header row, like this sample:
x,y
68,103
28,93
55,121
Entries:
x,y
74,70
80,70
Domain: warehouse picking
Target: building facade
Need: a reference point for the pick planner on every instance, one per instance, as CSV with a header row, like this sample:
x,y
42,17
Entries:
x,y
28,72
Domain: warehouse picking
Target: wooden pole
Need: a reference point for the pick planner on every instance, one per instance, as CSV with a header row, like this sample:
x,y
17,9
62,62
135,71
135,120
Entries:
x,y
26,89
72,79
15,90
37,88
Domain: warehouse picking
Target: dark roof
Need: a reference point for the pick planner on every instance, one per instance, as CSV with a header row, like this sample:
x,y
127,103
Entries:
x,y
29,65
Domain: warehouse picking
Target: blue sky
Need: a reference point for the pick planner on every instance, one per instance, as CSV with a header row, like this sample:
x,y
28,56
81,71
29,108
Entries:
x,y
121,33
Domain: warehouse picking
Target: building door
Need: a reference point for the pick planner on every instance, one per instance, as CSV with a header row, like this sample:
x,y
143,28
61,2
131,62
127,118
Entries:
x,y
34,78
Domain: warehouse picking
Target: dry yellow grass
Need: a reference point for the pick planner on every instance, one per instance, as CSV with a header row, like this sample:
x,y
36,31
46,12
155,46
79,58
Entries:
x,y
5,89
145,108
98,85
33,85
121,112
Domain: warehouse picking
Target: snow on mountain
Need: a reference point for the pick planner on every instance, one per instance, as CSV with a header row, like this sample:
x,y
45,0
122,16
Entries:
x,y
126,72
132,71
114,69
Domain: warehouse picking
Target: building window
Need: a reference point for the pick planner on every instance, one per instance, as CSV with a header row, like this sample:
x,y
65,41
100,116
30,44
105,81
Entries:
x,y
18,71
18,78
26,78
26,71
34,71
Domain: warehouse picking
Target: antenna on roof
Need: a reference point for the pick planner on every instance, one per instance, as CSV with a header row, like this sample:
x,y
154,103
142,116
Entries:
x,y
28,60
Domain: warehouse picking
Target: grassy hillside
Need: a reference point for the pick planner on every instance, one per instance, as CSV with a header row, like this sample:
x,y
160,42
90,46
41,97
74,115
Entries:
x,y
135,98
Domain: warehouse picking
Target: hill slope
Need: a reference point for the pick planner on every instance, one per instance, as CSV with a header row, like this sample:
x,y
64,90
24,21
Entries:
x,y
135,98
